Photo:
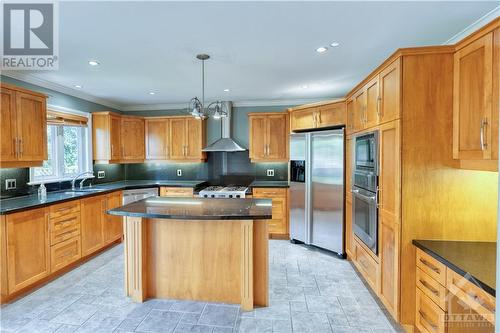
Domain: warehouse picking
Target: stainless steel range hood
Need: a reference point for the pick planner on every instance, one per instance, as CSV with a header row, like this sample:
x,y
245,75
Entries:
x,y
225,143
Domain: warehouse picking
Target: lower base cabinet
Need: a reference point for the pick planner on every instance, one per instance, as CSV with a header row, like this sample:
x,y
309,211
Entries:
x,y
92,219
176,192
278,225
65,253
113,225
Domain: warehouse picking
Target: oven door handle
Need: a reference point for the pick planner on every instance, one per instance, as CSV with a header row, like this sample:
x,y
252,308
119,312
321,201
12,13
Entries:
x,y
364,197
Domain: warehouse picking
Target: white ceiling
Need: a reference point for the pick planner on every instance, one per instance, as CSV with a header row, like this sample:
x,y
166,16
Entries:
x,y
260,50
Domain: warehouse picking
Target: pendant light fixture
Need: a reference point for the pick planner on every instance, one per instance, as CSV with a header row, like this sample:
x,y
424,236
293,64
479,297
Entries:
x,y
196,107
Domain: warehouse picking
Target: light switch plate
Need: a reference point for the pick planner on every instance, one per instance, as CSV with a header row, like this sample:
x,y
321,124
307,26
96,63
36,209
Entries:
x,y
101,174
179,172
270,172
10,184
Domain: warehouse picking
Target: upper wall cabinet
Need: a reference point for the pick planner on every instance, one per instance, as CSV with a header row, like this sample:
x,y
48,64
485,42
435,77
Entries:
x,y
132,138
23,135
268,137
187,139
157,138
317,116
475,110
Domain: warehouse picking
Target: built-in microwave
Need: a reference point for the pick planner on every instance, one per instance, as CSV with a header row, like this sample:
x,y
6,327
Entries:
x,y
366,152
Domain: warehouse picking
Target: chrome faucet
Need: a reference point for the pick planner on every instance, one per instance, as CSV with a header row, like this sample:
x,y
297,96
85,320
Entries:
x,y
79,175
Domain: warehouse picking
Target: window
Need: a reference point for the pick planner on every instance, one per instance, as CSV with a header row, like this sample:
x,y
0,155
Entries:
x,y
68,153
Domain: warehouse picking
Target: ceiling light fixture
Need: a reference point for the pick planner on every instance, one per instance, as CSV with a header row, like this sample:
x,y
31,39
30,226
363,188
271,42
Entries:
x,y
305,86
93,63
334,44
321,49
197,108
227,90
151,92
77,86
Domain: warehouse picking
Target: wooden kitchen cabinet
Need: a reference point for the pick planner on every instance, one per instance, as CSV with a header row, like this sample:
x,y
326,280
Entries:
x,y
112,225
132,139
474,114
27,248
372,108
278,225
268,137
318,115
303,119
23,127
187,137
157,138
390,92
166,191
92,219
349,126
333,114
115,137
359,104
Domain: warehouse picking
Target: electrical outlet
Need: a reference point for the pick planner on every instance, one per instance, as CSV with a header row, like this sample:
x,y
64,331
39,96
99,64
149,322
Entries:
x,y
179,172
10,184
101,174
270,172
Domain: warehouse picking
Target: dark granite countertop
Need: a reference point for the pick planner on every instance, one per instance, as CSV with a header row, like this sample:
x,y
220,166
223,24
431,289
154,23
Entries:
x,y
16,204
197,209
269,183
476,259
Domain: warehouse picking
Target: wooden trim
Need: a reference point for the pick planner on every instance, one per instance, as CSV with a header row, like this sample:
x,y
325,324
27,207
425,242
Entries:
x,y
135,274
316,104
23,90
279,113
20,164
246,265
478,33
260,263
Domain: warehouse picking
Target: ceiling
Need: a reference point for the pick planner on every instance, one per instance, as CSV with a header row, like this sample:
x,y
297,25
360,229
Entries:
x,y
261,51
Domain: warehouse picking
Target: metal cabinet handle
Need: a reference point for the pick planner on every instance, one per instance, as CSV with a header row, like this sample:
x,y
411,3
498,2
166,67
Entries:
x,y
484,123
21,147
431,266
424,317
379,99
112,149
428,286
16,148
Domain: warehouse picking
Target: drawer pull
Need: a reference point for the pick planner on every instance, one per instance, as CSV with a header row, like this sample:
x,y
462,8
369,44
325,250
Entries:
x,y
424,317
428,286
479,300
431,266
63,209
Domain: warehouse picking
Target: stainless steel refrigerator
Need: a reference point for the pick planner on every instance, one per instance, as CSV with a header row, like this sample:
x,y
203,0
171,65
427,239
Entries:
x,y
317,189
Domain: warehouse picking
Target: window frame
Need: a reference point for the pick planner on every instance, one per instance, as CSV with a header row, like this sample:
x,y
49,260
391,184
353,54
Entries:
x,y
84,141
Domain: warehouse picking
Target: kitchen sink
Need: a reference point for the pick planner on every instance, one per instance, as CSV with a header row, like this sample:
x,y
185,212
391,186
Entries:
x,y
83,190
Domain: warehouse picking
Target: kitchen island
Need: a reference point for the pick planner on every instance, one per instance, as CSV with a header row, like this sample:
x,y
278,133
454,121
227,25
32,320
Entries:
x,y
197,249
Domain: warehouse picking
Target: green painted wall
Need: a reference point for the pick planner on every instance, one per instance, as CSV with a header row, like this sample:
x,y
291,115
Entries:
x,y
239,120
60,99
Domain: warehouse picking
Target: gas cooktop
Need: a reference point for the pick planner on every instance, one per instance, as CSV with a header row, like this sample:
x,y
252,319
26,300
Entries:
x,y
227,192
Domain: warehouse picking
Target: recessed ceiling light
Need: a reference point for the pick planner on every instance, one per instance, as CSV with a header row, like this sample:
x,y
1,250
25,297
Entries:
x,y
334,44
321,49
77,86
226,90
151,92
305,86
93,63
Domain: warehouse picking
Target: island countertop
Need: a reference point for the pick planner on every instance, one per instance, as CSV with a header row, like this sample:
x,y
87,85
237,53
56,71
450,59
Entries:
x,y
197,209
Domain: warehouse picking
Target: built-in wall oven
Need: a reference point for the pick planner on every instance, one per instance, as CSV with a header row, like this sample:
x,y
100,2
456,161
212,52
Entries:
x,y
365,189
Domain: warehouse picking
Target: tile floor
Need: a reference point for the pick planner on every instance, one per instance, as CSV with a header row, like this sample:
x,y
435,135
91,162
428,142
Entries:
x,y
310,291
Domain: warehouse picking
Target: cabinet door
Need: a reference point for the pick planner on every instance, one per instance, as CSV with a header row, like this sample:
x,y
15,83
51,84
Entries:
x,y
27,248
132,138
177,138
359,110
8,126
31,117
350,116
349,240
372,103
92,215
115,137
257,137
277,137
303,119
194,139
277,225
331,115
112,225
390,92
157,139
472,97
389,215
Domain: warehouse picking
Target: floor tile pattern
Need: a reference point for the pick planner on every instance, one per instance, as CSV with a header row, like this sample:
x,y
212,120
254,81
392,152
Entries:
x,y
310,291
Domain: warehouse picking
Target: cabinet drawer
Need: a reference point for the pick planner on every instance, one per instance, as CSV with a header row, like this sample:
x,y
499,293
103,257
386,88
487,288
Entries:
x,y
431,267
276,226
64,208
367,266
472,295
64,227
431,288
429,318
176,192
65,253
269,192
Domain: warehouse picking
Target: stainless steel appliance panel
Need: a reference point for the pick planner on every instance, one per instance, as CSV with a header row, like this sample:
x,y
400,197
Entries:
x,y
365,222
298,192
327,190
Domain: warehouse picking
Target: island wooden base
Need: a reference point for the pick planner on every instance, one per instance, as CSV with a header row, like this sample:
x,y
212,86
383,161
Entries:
x,y
217,261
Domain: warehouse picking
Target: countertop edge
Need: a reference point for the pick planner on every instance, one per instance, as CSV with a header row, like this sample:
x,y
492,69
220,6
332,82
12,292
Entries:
x,y
190,217
453,267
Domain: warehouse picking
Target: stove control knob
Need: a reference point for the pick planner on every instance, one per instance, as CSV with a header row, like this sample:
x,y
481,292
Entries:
x,y
238,196
213,195
230,195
